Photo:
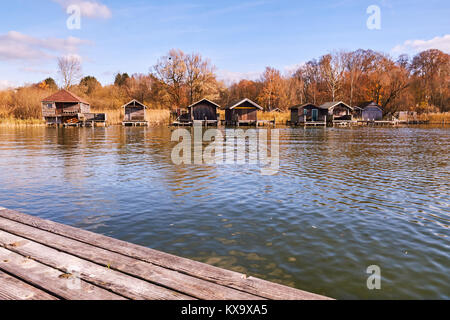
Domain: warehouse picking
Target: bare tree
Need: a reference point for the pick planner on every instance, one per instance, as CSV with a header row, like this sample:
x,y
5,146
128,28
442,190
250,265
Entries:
x,y
171,70
332,71
69,68
200,77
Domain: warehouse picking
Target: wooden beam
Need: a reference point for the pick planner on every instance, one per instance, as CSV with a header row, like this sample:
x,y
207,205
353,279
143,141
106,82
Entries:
x,y
14,289
259,287
100,276
61,284
192,286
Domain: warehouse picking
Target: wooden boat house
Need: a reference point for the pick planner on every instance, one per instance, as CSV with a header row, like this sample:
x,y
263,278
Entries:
x,y
308,114
338,111
204,111
66,108
245,112
134,114
368,111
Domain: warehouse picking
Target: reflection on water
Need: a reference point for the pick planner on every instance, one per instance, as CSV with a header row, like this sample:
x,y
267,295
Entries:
x,y
344,199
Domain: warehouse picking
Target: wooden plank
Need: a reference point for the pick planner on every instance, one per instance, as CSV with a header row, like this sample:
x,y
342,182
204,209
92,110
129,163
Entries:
x,y
200,270
192,286
14,289
61,284
100,276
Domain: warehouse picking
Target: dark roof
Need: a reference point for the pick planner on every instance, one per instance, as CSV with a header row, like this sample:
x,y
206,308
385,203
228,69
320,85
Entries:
x,y
134,102
235,105
204,100
365,104
64,96
329,105
301,106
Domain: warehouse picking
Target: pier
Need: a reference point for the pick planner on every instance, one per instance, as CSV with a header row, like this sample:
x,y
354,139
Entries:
x,y
44,260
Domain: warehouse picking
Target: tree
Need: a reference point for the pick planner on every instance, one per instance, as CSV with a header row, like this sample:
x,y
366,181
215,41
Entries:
x,y
309,76
69,68
171,70
200,77
89,85
332,71
139,87
121,79
431,69
273,94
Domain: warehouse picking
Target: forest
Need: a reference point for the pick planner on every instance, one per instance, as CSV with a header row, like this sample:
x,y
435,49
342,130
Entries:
x,y
420,83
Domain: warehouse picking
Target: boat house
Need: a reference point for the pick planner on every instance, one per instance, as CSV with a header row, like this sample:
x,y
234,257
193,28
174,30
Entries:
x,y
245,112
368,111
338,111
134,114
308,114
205,111
66,108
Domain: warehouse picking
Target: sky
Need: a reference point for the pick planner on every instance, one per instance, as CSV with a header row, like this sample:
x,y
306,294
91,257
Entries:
x,y
240,38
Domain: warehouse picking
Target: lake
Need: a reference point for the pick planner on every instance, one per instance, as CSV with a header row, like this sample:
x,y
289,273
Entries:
x,y
344,199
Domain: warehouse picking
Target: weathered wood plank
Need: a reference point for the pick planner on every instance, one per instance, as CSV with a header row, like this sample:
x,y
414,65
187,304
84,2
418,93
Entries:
x,y
192,286
203,271
14,289
103,277
61,284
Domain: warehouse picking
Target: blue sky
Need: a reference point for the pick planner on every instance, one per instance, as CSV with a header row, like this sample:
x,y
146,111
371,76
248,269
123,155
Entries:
x,y
240,37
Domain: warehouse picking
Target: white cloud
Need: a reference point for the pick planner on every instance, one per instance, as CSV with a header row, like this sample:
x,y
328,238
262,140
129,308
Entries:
x,y
441,43
230,77
18,46
89,9
6,84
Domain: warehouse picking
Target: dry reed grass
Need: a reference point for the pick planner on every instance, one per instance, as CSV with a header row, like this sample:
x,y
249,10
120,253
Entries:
x,y
153,116
435,118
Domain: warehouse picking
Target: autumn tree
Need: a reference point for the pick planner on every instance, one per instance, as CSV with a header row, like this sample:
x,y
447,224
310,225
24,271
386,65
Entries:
x,y
200,77
171,70
139,87
431,69
89,85
49,84
309,77
70,70
332,71
121,79
273,94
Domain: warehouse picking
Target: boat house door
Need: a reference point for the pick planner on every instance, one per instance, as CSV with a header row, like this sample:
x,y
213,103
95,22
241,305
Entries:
x,y
315,115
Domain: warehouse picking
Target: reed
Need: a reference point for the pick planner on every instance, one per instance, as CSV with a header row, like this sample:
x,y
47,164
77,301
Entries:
x,y
14,122
153,116
435,118
280,117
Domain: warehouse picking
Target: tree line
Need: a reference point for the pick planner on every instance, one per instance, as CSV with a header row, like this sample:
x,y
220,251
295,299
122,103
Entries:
x,y
177,79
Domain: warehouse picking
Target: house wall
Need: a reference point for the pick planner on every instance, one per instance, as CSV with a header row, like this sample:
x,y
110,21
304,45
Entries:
x,y
294,116
204,111
85,108
48,109
241,114
372,113
134,113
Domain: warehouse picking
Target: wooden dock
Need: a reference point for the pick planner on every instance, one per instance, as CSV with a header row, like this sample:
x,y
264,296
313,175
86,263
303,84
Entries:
x,y
44,260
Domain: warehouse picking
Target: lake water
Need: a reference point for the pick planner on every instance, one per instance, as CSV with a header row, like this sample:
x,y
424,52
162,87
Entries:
x,y
344,199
